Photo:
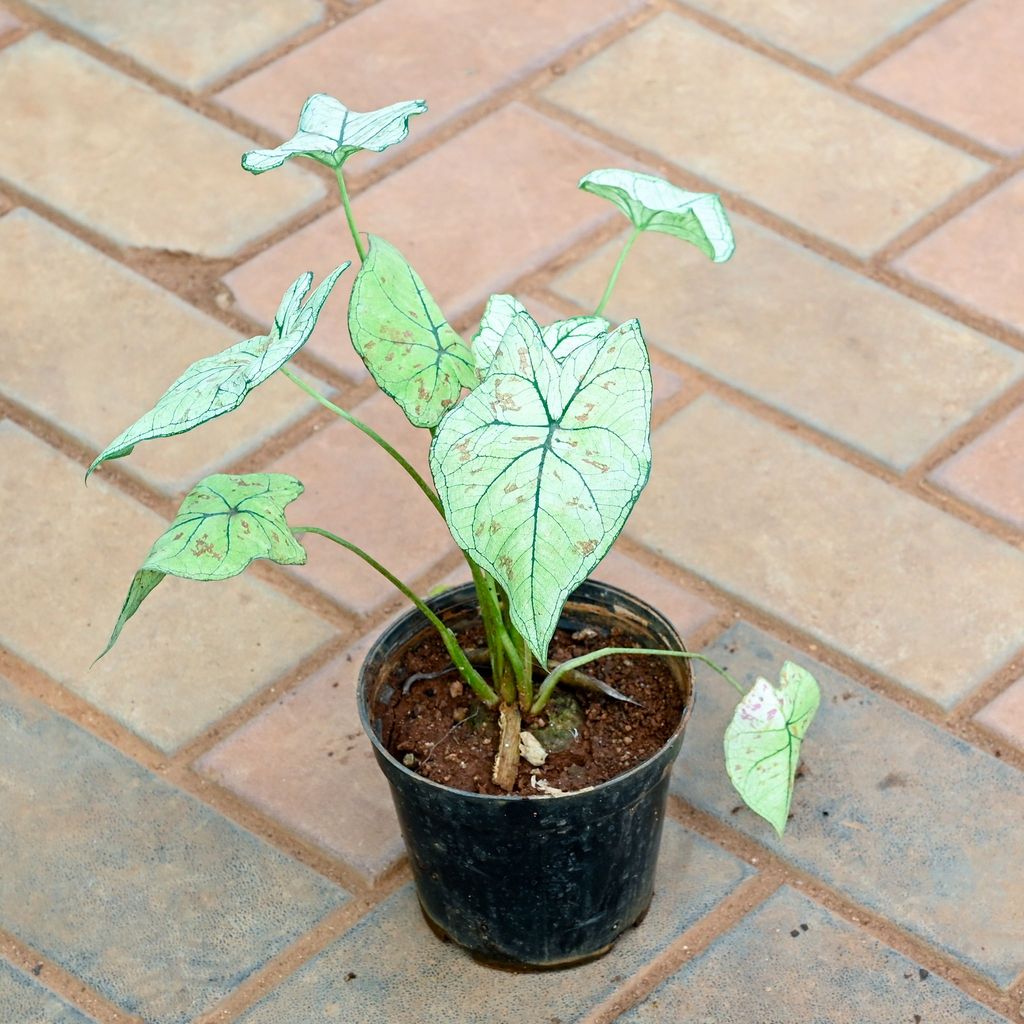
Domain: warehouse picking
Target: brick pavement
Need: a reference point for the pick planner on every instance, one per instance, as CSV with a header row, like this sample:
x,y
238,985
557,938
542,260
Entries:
x,y
839,477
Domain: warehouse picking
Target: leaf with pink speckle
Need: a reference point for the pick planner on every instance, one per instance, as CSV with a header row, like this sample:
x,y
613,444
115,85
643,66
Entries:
x,y
762,743
224,524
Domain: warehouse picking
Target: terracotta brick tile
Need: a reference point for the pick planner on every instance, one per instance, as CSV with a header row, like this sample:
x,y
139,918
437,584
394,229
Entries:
x,y
833,166
8,23
905,819
491,204
989,472
147,895
911,592
188,43
157,175
683,608
829,35
193,651
966,73
23,998
356,490
808,336
307,762
977,258
404,49
734,981
1005,715
93,373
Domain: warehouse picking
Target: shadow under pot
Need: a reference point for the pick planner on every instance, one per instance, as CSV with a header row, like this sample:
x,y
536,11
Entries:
x,y
530,881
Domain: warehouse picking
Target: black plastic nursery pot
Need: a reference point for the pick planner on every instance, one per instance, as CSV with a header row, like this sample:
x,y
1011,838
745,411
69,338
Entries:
x,y
530,882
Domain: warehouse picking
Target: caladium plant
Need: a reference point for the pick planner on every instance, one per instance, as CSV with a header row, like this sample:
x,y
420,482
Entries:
x,y
540,447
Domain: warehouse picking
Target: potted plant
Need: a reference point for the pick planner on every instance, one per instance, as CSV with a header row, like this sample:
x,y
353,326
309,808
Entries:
x,y
574,694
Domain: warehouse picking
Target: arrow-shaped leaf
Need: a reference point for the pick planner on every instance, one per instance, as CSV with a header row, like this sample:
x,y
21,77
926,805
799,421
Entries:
x,y
218,384
330,133
561,337
403,338
762,742
653,204
224,523
539,467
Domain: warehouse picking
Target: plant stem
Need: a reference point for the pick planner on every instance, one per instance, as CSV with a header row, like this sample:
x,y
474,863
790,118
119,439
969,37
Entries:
x,y
615,271
487,599
506,762
360,248
458,656
370,433
491,616
549,684
526,678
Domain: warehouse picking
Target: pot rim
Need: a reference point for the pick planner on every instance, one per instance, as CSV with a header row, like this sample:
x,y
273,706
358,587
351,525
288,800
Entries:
x,y
381,750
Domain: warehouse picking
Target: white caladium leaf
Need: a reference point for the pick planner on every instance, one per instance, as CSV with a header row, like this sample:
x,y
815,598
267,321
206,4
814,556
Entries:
x,y
653,204
563,337
219,384
403,338
539,467
560,337
498,314
330,133
762,742
224,523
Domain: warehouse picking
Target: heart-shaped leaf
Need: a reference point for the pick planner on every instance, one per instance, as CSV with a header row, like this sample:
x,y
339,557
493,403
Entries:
x,y
539,467
403,338
218,384
653,204
561,337
224,523
762,742
330,133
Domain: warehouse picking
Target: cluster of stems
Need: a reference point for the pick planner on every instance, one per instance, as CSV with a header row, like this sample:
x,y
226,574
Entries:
x,y
512,663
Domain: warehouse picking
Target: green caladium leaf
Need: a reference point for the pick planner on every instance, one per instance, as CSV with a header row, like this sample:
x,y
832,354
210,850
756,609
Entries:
x,y
403,338
653,204
219,384
539,467
762,742
224,523
561,337
330,133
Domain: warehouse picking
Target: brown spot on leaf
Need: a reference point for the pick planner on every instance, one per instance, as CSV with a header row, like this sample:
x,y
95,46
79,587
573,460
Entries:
x,y
597,465
586,547
204,547
504,401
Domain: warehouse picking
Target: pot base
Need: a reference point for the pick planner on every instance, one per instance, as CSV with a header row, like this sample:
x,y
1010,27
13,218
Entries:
x,y
515,967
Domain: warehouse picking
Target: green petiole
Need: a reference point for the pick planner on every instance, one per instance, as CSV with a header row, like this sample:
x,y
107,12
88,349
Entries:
x,y
458,656
634,235
551,681
360,248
